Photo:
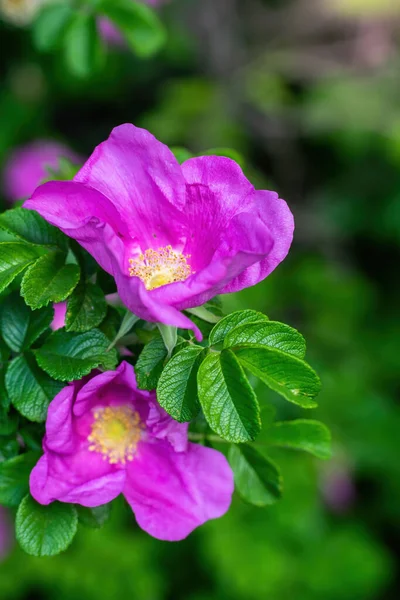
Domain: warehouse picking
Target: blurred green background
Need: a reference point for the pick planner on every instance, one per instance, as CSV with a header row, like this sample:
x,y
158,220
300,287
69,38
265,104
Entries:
x,y
308,92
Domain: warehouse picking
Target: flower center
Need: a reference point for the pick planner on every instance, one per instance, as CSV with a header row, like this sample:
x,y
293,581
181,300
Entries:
x,y
116,431
159,267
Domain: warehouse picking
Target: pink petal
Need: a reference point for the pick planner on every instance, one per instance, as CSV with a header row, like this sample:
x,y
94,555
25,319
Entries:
x,y
164,427
279,221
245,242
144,304
59,425
68,471
173,493
113,388
83,214
82,478
60,310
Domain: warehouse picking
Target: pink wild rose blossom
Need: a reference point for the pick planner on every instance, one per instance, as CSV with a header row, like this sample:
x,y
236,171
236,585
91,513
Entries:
x,y
27,166
105,437
173,236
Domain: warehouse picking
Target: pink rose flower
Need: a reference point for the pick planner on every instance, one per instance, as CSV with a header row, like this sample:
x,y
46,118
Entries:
x,y
105,437
26,168
173,236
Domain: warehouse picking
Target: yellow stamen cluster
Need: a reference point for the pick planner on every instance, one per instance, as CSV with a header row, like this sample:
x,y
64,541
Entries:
x,y
159,267
116,431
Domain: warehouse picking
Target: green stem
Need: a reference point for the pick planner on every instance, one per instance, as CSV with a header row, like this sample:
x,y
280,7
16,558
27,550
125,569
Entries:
x,y
211,437
204,314
127,323
169,335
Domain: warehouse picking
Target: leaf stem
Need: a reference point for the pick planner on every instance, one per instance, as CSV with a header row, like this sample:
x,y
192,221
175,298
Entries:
x,y
127,323
204,314
169,335
211,437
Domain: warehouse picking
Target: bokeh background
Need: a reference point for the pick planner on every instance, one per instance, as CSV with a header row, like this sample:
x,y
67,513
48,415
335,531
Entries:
x,y
308,92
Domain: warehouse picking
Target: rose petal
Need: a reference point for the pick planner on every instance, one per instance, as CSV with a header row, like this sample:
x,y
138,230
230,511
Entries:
x,y
83,214
81,478
216,191
246,241
278,218
164,427
60,310
173,493
143,180
71,205
113,388
59,427
143,304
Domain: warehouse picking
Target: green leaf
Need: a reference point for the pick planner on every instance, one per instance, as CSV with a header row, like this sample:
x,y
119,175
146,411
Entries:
x,y
4,351
227,399
181,154
94,517
22,225
257,478
106,282
14,258
267,333
4,399
32,436
8,422
301,434
170,336
45,530
29,388
228,323
267,413
14,477
139,25
86,308
150,364
286,374
19,326
9,448
68,356
84,53
65,170
49,279
109,325
177,387
50,25
205,317
215,306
